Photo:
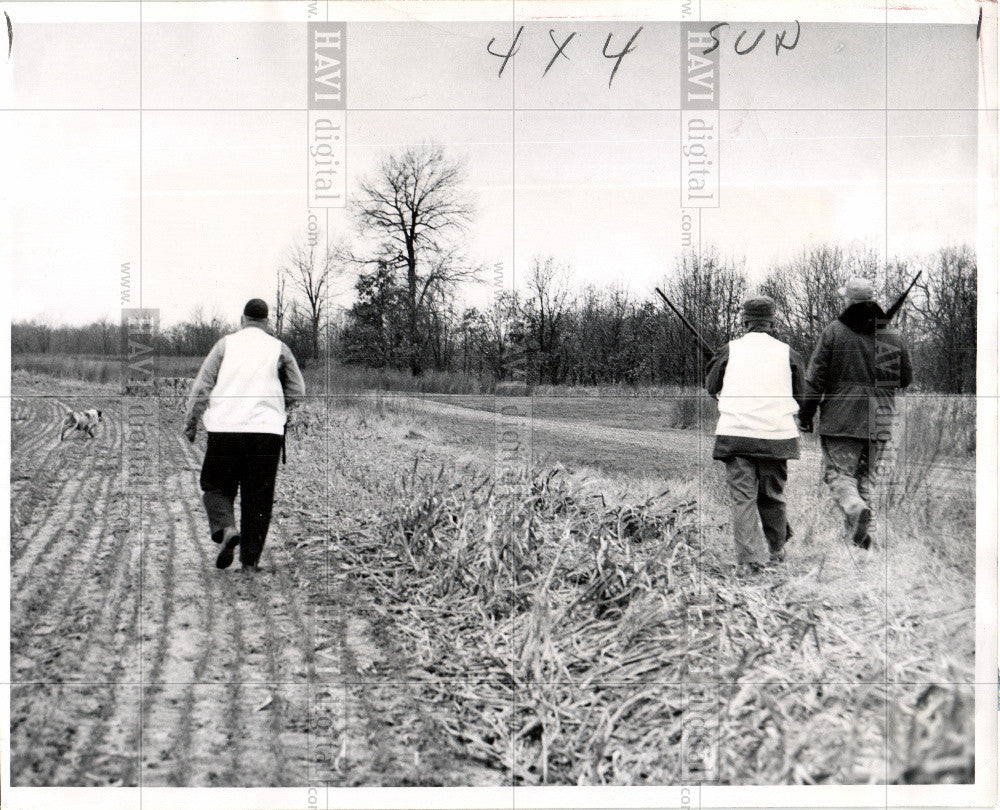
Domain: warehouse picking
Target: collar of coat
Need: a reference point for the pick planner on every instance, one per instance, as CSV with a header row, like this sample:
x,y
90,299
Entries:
x,y
767,327
863,317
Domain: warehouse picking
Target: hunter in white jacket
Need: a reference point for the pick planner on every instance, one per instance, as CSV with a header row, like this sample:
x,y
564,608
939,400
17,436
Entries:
x,y
758,382
241,394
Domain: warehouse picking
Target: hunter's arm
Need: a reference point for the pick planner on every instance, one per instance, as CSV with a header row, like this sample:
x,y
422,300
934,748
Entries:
x,y
798,377
716,371
292,383
203,384
816,376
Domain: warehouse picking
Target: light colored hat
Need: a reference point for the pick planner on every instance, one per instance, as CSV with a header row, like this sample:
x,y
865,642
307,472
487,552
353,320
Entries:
x,y
857,290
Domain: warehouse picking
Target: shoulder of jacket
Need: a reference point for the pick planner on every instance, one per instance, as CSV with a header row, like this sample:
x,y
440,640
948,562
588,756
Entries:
x,y
834,328
766,337
254,333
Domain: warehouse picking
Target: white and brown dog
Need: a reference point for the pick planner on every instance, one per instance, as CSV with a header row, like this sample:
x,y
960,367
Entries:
x,y
86,421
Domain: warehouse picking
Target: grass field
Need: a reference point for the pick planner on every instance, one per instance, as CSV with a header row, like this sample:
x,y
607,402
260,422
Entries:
x,y
95,368
948,421
319,375
418,623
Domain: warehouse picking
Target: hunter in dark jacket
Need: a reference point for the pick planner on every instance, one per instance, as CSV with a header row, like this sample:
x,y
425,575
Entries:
x,y
859,364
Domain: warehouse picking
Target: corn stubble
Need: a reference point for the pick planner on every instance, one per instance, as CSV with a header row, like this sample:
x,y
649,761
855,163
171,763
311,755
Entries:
x,y
564,639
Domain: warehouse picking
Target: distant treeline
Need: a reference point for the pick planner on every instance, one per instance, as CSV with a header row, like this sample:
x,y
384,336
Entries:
x,y
550,332
412,218
104,338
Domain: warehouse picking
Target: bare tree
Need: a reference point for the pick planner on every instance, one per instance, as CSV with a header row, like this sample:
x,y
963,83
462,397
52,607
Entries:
x,y
444,270
309,269
709,291
545,309
198,334
947,309
805,291
42,328
498,335
106,329
414,205
280,302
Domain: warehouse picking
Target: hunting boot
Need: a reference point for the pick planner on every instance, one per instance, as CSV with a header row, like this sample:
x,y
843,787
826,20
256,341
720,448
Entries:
x,y
779,555
231,539
858,516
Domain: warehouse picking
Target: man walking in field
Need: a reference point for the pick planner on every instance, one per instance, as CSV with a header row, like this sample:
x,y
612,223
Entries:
x,y
757,381
859,364
242,393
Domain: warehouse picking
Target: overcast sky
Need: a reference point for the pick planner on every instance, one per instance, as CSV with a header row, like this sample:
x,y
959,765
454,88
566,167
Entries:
x,y
207,186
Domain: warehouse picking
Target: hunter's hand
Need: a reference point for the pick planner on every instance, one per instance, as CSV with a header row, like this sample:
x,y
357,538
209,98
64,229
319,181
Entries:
x,y
805,425
191,431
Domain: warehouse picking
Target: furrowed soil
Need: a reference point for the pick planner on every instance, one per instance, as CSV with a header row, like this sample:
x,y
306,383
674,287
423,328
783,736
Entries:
x,y
135,661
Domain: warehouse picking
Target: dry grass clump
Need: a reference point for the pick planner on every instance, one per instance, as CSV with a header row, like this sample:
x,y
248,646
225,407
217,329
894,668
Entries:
x,y
568,639
333,378
100,368
936,728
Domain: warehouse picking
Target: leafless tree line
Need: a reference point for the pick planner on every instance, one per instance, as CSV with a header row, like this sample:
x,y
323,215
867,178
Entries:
x,y
105,338
407,262
551,332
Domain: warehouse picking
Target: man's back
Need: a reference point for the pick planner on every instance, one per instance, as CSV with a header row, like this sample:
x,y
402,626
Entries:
x,y
245,384
859,363
247,396
866,352
756,397
757,380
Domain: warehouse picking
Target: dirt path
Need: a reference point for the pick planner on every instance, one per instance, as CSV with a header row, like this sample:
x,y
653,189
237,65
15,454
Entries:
x,y
683,442
134,660
617,449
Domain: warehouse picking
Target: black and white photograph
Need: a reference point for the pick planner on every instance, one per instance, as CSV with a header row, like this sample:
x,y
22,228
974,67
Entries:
x,y
505,403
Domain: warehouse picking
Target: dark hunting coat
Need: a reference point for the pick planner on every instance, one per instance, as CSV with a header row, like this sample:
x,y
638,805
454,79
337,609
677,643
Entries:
x,y
858,366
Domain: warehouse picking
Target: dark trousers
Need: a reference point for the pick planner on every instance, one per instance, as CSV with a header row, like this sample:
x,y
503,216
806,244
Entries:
x,y
757,487
248,463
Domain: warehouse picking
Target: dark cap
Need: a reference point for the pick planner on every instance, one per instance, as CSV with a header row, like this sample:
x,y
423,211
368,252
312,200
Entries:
x,y
256,309
761,308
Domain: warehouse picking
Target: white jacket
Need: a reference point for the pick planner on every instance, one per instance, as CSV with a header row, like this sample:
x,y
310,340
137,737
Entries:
x,y
244,384
756,398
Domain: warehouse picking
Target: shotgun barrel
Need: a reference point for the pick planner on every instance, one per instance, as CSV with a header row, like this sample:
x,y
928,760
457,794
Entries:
x,y
902,299
706,350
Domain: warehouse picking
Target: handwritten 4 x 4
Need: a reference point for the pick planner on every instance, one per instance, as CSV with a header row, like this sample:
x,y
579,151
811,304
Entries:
x,y
630,46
